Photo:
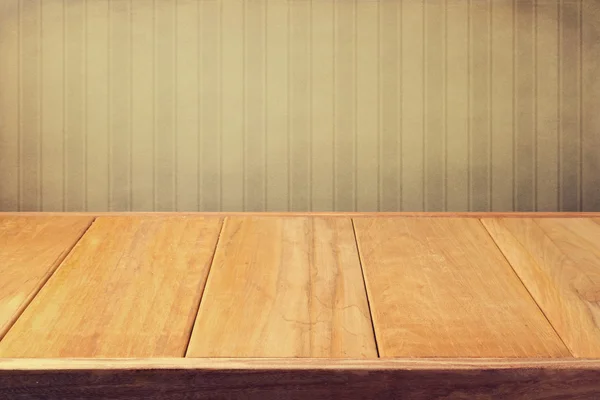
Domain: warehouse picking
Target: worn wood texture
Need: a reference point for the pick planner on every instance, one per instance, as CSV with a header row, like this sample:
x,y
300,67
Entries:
x,y
559,262
284,287
441,288
30,250
130,288
268,379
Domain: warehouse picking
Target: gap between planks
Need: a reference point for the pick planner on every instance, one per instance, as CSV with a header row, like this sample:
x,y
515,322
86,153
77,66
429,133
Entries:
x,y
67,253
202,289
57,263
208,301
525,286
212,259
362,270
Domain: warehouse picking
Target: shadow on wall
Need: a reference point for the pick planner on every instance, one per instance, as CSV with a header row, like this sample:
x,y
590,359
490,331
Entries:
x,y
299,105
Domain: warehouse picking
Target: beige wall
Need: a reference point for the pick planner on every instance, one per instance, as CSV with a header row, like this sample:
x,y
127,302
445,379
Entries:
x,y
299,105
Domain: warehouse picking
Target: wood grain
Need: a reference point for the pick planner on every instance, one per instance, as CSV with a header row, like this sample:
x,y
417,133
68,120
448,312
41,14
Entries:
x,y
265,379
130,288
559,262
285,287
30,250
440,288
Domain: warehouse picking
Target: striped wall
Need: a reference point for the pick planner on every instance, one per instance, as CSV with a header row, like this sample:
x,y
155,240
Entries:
x,y
300,105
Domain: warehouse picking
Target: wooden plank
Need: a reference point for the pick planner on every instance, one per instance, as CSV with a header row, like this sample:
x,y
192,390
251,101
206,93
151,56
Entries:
x,y
441,288
559,262
30,250
130,288
265,379
285,287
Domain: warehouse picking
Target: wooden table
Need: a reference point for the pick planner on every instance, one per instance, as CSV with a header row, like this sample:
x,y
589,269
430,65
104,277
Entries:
x,y
317,306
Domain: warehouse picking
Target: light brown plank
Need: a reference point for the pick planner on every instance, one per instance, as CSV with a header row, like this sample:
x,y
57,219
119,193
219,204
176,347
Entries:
x,y
440,288
559,262
286,287
30,250
130,288
265,379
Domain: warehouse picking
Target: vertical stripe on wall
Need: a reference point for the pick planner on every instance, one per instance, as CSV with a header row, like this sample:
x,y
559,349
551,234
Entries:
x,y
568,106
389,90
277,112
457,100
254,168
52,105
30,101
165,104
480,67
412,98
207,105
10,105
232,98
210,93
435,90
590,104
502,104
547,88
344,55
187,109
524,84
119,76
96,114
322,105
367,106
142,90
299,120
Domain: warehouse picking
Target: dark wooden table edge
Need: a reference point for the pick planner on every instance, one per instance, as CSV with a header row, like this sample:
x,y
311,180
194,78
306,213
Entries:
x,y
299,378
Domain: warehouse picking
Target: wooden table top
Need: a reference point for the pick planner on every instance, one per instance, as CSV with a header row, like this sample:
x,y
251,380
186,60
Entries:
x,y
391,292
